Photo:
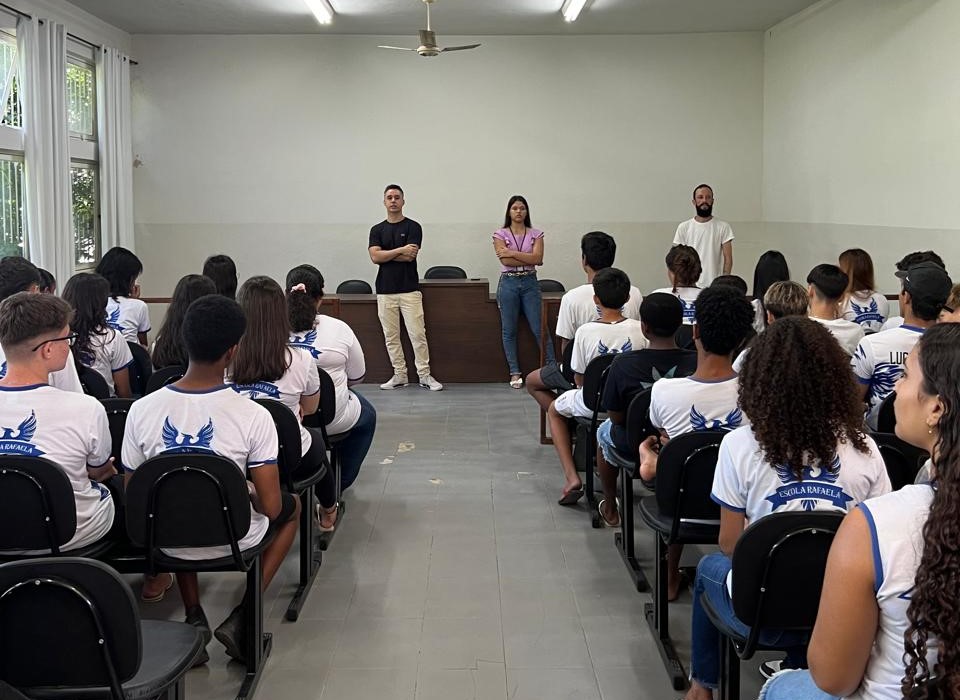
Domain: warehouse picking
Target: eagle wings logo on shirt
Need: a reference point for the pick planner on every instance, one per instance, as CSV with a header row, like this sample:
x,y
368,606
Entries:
x,y
604,350
884,378
866,314
699,422
113,320
306,342
17,440
258,389
174,440
810,489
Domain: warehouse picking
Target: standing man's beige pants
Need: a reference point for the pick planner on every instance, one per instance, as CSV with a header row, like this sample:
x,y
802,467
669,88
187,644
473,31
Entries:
x,y
410,304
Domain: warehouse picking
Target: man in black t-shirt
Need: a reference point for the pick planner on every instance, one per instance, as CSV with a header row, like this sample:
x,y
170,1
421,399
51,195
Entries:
x,y
394,245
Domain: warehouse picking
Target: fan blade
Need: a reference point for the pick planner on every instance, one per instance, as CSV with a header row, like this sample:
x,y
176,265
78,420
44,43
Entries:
x,y
461,48
396,48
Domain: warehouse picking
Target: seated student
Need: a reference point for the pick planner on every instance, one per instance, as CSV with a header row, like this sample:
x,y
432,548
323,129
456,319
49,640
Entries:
x,y
68,428
827,285
597,252
336,351
265,366
878,361
734,281
950,311
200,404
683,271
98,346
781,299
612,333
48,283
905,262
862,303
771,268
168,349
222,270
20,275
633,372
887,617
125,312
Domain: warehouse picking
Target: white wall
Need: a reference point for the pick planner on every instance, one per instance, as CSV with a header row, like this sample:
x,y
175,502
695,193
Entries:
x,y
275,149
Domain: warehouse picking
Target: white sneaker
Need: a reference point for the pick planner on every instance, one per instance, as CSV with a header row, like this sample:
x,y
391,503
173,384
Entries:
x,y
430,383
395,382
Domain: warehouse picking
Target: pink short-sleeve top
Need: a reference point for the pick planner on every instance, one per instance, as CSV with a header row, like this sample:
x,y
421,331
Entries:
x,y
521,244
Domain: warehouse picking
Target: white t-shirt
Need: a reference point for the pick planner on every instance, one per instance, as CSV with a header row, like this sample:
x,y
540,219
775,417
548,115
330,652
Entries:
x,y
847,333
707,238
595,338
217,421
577,307
869,309
688,297
892,322
129,316
759,316
65,379
878,363
300,379
71,430
110,354
334,346
684,404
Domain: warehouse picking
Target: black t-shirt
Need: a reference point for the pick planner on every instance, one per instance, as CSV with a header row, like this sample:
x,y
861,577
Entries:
x,y
394,276
632,372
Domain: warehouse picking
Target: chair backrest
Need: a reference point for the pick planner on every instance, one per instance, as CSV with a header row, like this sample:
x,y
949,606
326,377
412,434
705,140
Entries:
x,y
886,418
67,623
638,422
288,434
354,287
446,272
684,337
685,470
37,508
117,410
187,499
161,377
566,357
548,285
140,370
594,377
778,567
93,383
902,460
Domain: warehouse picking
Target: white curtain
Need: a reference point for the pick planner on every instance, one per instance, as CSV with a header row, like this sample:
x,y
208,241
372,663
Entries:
x,y
42,49
116,149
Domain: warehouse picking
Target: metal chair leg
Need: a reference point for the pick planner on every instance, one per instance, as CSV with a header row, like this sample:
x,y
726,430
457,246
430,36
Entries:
x,y
658,617
624,539
257,642
310,559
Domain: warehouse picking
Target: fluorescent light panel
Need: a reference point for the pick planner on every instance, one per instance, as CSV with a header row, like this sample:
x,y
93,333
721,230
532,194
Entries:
x,y
571,9
321,10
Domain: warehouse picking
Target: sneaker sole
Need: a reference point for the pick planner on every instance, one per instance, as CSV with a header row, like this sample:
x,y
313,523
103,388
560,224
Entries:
x,y
391,388
430,388
230,644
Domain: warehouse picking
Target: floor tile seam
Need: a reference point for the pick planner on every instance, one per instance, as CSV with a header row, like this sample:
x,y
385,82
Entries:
x,y
503,642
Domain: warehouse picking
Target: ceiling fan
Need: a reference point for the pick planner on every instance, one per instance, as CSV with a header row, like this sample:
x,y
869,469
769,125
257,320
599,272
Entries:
x,y
428,40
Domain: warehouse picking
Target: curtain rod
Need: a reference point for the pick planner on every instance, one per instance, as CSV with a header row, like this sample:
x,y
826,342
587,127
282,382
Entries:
x,y
21,13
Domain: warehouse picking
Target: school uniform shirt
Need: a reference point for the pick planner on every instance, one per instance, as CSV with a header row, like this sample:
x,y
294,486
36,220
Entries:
x,y
129,316
216,421
578,307
300,379
110,354
892,322
335,348
896,523
847,333
684,404
688,297
869,309
65,379
878,364
707,237
759,316
71,431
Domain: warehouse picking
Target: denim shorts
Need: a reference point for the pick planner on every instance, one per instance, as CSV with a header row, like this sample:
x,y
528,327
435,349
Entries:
x,y
610,453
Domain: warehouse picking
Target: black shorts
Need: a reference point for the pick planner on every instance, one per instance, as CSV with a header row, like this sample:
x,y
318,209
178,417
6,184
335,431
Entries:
x,y
552,377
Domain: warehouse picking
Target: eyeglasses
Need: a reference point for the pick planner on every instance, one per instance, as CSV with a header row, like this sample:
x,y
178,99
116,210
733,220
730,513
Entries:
x,y
71,339
947,309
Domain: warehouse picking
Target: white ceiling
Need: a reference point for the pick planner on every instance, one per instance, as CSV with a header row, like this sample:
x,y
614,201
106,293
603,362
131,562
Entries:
x,y
455,17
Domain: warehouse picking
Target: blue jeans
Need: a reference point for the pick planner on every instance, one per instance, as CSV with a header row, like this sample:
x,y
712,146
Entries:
x,y
793,685
516,293
353,450
705,648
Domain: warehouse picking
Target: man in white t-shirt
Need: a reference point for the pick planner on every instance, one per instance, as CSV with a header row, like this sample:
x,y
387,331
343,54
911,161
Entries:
x,y
826,285
38,420
199,413
879,359
597,252
712,238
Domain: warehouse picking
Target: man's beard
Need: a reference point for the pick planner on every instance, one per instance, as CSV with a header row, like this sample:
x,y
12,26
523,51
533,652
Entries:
x,y
705,210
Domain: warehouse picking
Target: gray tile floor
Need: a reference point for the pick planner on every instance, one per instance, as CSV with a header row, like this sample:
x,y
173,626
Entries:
x,y
456,576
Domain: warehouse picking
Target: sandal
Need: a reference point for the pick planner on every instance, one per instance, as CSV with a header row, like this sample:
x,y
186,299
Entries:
x,y
603,518
321,511
157,597
570,497
516,381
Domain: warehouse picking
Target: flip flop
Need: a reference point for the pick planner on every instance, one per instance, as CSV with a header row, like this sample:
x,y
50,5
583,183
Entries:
x,y
159,596
603,518
569,498
516,382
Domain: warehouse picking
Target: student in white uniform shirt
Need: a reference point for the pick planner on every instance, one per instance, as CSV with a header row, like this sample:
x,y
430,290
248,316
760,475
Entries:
x,y
826,287
888,601
125,312
98,346
39,420
597,252
878,360
781,299
803,450
610,334
862,303
909,259
683,271
712,238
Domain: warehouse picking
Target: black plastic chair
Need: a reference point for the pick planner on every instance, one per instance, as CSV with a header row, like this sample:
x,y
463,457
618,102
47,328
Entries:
x,y
680,512
566,357
199,500
296,481
902,460
886,418
594,377
71,629
166,375
117,410
93,383
549,285
445,272
354,287
140,370
325,415
778,567
684,337
37,509
638,428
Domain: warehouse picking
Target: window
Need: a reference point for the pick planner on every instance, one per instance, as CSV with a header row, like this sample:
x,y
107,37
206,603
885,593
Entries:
x,y
86,218
11,205
84,173
81,99
9,73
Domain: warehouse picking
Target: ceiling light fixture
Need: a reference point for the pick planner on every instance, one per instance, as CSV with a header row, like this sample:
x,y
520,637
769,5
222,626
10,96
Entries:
x,y
321,10
571,9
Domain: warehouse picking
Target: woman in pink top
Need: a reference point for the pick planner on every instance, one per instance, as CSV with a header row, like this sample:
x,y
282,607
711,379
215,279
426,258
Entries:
x,y
519,247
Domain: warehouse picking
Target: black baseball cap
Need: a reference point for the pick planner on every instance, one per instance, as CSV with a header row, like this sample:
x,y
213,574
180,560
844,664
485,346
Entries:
x,y
927,281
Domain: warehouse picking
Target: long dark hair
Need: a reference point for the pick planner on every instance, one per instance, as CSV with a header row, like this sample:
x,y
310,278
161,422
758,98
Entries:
x,y
262,354
302,305
120,267
934,612
513,200
771,268
222,270
684,262
169,348
87,293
